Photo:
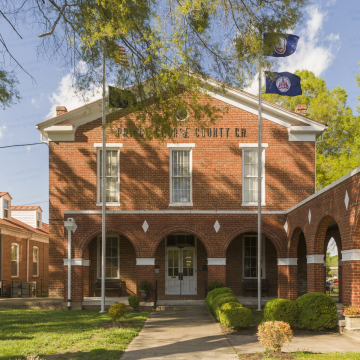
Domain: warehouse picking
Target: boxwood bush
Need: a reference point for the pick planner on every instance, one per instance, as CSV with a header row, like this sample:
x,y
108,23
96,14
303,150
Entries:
x,y
281,310
316,311
134,301
212,294
220,300
234,315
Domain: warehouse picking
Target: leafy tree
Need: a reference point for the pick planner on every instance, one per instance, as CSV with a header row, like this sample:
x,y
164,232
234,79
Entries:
x,y
164,39
338,153
8,92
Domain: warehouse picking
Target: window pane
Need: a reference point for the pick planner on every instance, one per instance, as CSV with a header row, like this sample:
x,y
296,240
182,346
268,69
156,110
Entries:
x,y
171,240
14,250
14,268
35,255
170,271
176,272
35,269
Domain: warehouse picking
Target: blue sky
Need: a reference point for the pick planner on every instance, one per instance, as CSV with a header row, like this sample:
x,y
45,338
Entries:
x,y
329,45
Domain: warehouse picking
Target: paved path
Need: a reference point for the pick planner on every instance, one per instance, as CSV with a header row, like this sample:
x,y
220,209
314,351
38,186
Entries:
x,y
178,335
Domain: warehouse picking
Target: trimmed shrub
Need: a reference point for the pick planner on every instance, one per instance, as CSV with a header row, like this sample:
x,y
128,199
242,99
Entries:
x,y
316,311
134,301
212,294
116,311
281,310
234,315
273,334
216,284
220,300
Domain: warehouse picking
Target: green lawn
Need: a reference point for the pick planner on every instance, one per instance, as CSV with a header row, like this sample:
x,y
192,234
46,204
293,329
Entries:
x,y
49,334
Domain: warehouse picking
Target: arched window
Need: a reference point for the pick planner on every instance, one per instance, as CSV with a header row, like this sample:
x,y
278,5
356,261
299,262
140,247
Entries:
x,y
35,261
14,260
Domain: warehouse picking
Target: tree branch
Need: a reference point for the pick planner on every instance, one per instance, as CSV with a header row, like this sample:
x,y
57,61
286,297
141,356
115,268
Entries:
x,y
10,23
55,23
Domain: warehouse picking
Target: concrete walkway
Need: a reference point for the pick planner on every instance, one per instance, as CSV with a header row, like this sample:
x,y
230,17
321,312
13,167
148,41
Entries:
x,y
188,333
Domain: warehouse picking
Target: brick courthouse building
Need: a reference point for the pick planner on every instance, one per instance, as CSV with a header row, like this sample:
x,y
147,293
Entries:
x,y
184,210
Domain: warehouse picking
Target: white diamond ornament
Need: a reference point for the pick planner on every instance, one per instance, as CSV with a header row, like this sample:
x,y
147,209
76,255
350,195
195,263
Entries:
x,y
346,200
286,226
309,216
216,226
145,226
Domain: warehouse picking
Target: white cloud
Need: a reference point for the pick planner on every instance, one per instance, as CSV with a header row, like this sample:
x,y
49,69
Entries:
x,y
2,131
315,51
28,148
65,95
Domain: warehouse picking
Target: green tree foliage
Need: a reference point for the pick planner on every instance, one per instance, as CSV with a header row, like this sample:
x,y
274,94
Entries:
x,y
164,40
338,153
8,91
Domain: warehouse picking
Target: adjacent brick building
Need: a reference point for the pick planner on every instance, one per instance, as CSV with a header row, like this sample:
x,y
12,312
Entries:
x,y
24,248
185,210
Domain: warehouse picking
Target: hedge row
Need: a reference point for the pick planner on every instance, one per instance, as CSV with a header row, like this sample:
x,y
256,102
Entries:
x,y
223,304
313,311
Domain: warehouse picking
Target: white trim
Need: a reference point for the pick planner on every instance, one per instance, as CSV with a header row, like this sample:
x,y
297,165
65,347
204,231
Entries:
x,y
287,261
109,204
183,145
159,212
315,259
351,255
216,261
109,145
77,262
59,128
190,203
145,261
303,133
262,181
253,145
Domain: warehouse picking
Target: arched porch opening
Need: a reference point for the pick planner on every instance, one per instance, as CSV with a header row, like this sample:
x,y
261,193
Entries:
x,y
120,277
301,265
241,264
181,266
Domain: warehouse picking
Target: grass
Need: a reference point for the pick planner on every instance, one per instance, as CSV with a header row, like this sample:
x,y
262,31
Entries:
x,y
49,334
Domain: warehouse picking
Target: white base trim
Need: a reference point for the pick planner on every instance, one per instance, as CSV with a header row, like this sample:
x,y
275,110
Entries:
x,y
77,262
109,145
145,261
351,255
253,145
182,145
216,261
315,259
287,261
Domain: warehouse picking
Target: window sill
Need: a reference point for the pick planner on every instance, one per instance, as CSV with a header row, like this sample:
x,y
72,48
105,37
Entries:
x,y
253,278
181,204
108,204
252,204
16,276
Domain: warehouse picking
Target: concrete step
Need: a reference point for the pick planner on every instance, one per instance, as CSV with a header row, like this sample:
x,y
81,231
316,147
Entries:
x,y
180,308
354,334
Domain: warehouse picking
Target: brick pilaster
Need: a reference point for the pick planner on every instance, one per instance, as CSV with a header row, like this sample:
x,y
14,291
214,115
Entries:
x,y
315,278
217,272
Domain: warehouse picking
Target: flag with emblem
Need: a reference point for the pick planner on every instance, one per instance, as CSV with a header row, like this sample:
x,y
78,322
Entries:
x,y
280,45
123,60
282,83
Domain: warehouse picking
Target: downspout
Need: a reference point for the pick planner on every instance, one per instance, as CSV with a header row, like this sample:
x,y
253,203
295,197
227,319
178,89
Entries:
x,y
317,142
42,139
27,259
70,226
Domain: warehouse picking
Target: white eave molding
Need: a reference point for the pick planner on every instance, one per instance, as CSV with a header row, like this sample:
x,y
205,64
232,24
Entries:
x,y
304,133
59,133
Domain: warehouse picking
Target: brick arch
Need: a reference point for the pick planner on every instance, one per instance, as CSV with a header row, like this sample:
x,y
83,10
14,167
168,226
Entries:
x,y
280,250
355,238
175,229
294,241
317,246
82,244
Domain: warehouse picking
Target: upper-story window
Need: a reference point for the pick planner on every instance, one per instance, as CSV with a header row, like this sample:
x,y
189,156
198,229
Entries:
x,y
112,174
181,174
35,261
14,260
6,209
250,175
38,220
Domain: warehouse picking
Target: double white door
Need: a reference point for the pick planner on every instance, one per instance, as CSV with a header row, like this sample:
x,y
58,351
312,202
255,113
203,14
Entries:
x,y
180,271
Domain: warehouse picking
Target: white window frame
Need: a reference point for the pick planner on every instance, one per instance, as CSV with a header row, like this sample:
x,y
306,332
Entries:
x,y
253,146
38,220
263,276
99,258
181,147
113,147
7,209
17,261
37,262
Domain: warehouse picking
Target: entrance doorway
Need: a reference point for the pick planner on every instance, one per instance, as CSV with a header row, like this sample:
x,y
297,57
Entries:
x,y
180,265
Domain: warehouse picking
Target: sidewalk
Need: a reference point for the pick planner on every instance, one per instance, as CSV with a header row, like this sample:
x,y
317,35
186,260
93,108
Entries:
x,y
189,333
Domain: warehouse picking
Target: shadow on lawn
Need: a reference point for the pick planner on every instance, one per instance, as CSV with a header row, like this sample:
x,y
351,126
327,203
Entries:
x,y
98,354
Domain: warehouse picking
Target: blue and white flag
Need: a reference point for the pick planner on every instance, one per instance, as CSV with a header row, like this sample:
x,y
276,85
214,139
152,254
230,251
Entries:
x,y
281,45
282,83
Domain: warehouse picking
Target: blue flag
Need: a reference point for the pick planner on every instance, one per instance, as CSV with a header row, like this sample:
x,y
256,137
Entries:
x,y
281,45
282,83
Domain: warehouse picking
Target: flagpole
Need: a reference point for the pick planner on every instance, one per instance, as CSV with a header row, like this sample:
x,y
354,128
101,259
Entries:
x,y
103,191
259,191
